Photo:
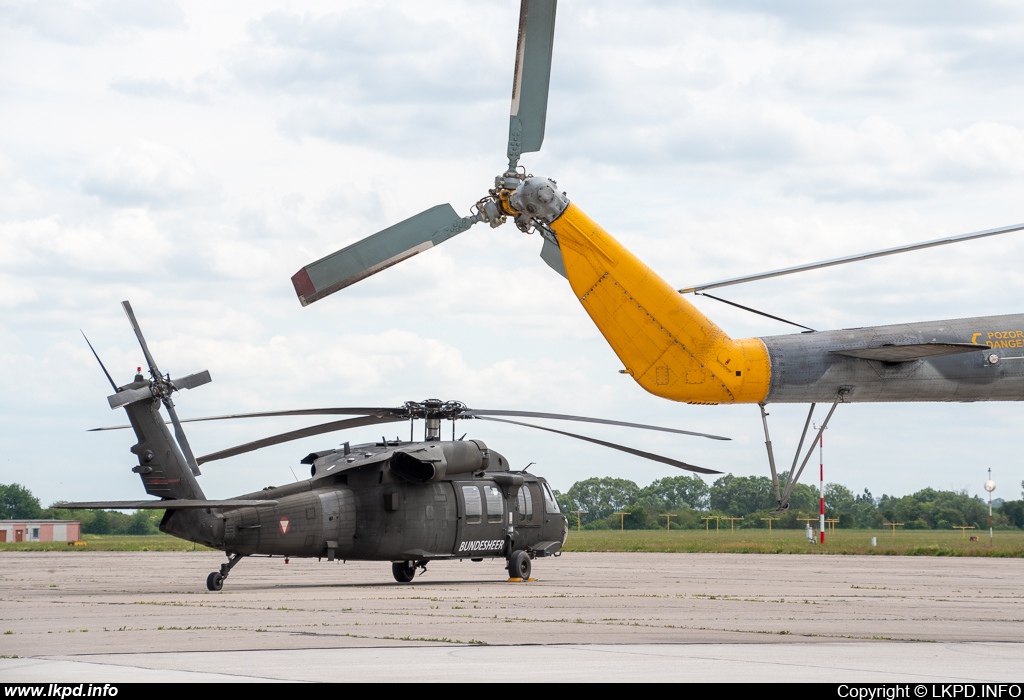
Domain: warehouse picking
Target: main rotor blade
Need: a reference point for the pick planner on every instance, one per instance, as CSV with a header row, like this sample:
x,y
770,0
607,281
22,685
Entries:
x,y
478,413
854,258
532,78
109,378
168,504
298,412
612,445
271,414
142,341
179,435
377,252
297,434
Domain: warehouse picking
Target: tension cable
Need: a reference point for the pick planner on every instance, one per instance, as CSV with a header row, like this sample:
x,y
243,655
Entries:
x,y
747,308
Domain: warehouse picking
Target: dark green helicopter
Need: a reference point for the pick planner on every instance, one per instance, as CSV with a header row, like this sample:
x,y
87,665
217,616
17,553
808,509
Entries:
x,y
404,502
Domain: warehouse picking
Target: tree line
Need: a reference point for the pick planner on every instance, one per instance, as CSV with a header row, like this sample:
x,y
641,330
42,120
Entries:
x,y
18,503
604,503
598,501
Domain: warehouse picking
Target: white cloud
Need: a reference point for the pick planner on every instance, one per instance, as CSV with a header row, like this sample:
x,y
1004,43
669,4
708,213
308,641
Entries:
x,y
122,242
144,173
92,22
981,150
156,88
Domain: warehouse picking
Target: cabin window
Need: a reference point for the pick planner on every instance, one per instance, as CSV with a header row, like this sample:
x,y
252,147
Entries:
x,y
474,506
495,504
550,504
525,504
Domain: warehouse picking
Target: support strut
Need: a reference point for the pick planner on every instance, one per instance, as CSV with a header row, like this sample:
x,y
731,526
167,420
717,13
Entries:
x,y
771,458
783,499
792,481
226,567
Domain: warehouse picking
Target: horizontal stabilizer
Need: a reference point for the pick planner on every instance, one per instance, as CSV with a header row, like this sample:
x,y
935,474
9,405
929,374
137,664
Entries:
x,y
169,504
908,353
123,398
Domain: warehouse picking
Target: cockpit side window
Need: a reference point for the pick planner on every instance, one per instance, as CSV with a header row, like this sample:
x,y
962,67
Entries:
x,y
525,504
550,504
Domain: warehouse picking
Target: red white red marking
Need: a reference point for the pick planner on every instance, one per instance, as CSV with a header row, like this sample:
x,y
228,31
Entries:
x,y
284,525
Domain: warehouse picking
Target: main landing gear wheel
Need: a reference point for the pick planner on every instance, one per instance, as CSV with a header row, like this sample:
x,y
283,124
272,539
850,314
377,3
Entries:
x,y
403,571
215,581
519,565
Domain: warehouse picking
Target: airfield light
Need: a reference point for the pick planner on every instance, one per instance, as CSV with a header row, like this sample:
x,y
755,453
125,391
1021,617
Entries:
x,y
707,522
668,520
578,513
893,526
622,518
732,523
769,523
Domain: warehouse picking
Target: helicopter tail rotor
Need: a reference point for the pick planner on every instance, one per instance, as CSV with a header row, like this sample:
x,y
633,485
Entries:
x,y
436,225
167,465
159,387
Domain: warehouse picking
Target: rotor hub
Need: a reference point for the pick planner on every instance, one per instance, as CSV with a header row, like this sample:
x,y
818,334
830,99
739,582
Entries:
x,y
538,200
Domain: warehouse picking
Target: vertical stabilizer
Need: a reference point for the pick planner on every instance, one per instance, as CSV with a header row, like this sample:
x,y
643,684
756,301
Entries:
x,y
164,471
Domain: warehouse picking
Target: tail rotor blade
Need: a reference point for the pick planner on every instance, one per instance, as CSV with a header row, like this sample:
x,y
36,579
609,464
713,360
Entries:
x,y
192,380
532,78
142,341
179,435
377,252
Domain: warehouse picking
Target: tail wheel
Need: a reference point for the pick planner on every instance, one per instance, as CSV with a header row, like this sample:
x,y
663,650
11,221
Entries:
x,y
519,565
403,571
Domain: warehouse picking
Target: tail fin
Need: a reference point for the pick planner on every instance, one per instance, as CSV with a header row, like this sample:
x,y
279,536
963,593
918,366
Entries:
x,y
164,470
167,467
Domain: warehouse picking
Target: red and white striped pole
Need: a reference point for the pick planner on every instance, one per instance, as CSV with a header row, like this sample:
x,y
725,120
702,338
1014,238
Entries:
x,y
821,484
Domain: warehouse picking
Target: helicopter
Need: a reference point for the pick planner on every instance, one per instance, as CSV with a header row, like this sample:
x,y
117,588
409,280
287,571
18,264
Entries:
x,y
407,502
665,343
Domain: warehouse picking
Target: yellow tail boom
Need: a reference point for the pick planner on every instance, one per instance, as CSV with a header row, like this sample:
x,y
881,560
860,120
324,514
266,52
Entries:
x,y
668,346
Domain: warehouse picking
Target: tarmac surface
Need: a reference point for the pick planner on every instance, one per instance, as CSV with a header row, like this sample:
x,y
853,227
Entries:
x,y
147,616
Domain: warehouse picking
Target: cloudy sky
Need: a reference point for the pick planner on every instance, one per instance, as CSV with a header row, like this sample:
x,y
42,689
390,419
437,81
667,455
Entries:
x,y
191,156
